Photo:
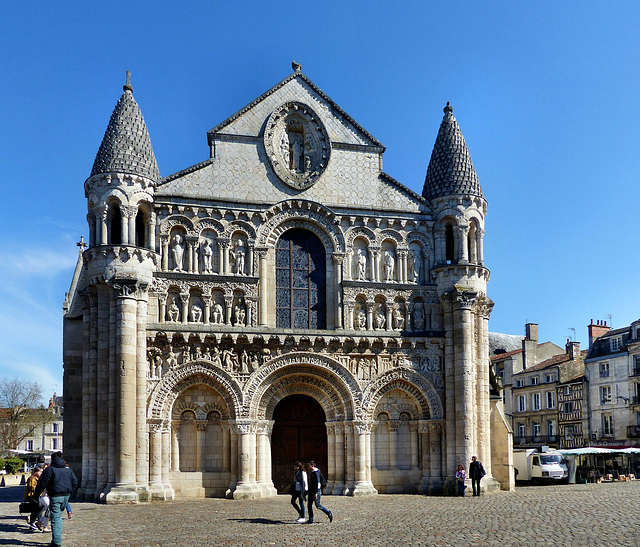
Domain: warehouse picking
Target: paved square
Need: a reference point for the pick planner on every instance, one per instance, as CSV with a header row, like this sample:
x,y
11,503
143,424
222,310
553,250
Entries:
x,y
605,514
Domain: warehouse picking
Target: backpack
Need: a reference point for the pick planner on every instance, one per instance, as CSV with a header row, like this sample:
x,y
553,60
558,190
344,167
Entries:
x,y
323,481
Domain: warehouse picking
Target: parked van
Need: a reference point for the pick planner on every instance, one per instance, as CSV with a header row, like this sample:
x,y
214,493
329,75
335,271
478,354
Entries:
x,y
539,465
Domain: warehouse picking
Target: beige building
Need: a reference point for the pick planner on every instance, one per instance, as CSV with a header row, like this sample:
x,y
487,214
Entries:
x,y
283,299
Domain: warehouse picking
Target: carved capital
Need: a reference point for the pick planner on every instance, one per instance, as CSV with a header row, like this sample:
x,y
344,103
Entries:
x,y
465,300
128,211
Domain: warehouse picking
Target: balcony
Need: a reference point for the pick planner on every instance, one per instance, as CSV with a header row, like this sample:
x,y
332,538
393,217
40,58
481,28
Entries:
x,y
535,440
633,431
635,371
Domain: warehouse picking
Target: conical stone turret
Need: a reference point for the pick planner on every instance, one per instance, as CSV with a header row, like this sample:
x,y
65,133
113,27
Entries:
x,y
126,146
450,170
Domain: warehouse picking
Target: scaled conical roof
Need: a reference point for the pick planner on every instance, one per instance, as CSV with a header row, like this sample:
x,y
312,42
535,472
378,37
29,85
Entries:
x,y
126,146
450,170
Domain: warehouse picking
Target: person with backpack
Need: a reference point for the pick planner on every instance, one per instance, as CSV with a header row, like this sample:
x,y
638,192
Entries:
x,y
476,472
316,483
59,481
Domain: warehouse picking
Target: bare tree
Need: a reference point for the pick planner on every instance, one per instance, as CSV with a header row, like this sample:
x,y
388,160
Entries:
x,y
22,413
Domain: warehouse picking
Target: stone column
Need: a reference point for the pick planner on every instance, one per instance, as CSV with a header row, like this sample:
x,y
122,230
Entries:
x,y
350,309
263,475
110,339
392,426
166,461
463,233
233,458
340,461
228,302
201,444
244,488
192,245
349,266
102,214
128,216
249,259
363,485
126,422
436,457
207,308
142,436
480,233
402,266
91,219
485,307
337,268
425,459
224,265
262,287
164,244
331,457
426,268
184,300
89,304
150,242
99,353
450,380
225,447
465,375
155,460
350,464
413,440
175,445
440,248
375,265
389,316
369,315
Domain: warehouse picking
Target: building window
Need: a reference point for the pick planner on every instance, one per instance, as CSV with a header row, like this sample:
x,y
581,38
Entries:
x,y
605,394
533,380
54,444
54,427
551,403
567,390
551,431
548,378
519,383
28,445
535,429
522,403
300,281
521,431
604,370
636,365
568,432
607,424
535,401
616,343
568,407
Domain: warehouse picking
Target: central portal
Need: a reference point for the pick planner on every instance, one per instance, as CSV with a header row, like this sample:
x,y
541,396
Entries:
x,y
299,433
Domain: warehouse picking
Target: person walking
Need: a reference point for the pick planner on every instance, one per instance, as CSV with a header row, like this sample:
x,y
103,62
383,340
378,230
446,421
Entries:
x,y
476,472
59,481
315,492
299,491
461,475
35,518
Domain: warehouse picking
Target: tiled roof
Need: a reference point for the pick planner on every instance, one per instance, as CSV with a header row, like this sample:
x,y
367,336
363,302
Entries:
x,y
450,170
552,361
126,146
501,356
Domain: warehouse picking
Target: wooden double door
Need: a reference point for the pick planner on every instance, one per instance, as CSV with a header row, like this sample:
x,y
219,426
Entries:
x,y
299,433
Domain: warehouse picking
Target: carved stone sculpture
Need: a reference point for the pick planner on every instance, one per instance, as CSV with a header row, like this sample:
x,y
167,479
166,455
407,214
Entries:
x,y
389,265
178,253
398,318
174,311
361,319
361,264
240,315
239,256
207,256
172,360
415,265
418,316
218,314
380,318
196,313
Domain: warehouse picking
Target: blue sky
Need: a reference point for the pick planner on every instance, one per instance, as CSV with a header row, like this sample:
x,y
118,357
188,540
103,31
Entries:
x,y
545,94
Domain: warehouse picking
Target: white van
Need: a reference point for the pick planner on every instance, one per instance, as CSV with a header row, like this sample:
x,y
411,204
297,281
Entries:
x,y
535,465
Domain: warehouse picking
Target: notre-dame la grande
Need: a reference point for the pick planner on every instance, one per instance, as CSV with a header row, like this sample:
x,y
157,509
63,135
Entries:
x,y
283,299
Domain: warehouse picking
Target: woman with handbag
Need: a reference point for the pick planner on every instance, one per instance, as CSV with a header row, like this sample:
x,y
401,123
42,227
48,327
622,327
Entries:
x,y
37,520
299,489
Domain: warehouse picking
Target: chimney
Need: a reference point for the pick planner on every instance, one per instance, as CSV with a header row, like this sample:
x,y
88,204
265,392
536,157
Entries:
x,y
529,345
573,349
596,330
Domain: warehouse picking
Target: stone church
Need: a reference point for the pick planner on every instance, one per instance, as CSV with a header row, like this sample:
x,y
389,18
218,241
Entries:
x,y
284,299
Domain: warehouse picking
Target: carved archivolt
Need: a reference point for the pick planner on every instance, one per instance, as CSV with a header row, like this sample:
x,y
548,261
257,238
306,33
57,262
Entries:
x,y
301,214
389,234
360,231
315,368
314,387
209,224
177,220
178,379
419,237
420,389
239,226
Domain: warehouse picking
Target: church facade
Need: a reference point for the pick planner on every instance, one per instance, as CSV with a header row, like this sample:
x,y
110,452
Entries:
x,y
284,299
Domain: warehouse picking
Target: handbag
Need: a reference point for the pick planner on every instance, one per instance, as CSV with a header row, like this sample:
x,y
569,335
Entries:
x,y
292,489
29,507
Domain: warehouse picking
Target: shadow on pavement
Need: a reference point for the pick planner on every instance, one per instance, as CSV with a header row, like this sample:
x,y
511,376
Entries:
x,y
261,521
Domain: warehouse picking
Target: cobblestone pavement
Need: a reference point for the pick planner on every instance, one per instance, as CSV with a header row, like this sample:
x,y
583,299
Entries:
x,y
606,514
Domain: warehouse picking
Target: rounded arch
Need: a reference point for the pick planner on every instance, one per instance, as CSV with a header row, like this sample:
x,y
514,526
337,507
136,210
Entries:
x,y
392,235
208,224
139,197
304,369
360,231
173,383
426,241
176,220
239,226
412,383
301,214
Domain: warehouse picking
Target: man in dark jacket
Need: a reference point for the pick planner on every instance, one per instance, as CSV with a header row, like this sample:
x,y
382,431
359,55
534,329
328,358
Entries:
x,y
59,481
476,472
315,492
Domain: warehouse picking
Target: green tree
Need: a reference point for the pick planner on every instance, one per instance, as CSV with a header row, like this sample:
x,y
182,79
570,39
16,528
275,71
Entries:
x,y
23,414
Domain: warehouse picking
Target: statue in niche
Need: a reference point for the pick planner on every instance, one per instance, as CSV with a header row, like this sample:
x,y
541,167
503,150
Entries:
x,y
398,317
296,152
197,354
186,356
172,360
215,357
389,265
178,253
361,319
284,144
244,362
418,316
207,256
196,313
238,255
415,264
255,361
361,264
381,319
230,360
241,315
218,314
157,369
174,311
